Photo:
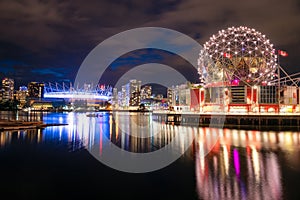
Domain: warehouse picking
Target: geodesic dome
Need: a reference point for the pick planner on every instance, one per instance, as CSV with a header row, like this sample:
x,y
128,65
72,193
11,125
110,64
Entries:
x,y
240,55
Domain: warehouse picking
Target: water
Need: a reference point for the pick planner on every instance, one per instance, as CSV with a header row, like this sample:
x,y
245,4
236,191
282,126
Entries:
x,y
55,162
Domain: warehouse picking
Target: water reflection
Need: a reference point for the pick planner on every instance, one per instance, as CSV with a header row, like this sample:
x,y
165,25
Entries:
x,y
27,136
127,131
241,164
21,115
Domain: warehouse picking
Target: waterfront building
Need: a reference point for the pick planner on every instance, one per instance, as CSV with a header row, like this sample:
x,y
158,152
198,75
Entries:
x,y
179,97
7,89
114,100
130,95
159,96
238,72
36,90
185,97
134,91
122,97
42,105
146,92
170,96
21,96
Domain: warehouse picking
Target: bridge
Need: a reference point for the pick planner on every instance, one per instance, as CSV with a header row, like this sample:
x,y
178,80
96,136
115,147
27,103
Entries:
x,y
85,92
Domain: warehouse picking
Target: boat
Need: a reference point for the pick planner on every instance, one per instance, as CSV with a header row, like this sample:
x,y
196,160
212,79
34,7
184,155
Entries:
x,y
94,115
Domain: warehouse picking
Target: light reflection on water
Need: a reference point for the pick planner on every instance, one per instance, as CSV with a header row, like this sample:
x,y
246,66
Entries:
x,y
241,165
237,169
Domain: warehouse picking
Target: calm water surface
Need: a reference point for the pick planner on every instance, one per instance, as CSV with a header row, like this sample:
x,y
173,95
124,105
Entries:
x,y
55,162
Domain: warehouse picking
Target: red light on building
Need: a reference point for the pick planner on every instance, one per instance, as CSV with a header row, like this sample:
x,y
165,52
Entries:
x,y
282,53
195,99
235,82
227,55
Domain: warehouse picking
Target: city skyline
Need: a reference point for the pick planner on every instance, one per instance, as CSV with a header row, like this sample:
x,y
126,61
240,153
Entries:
x,y
56,36
131,99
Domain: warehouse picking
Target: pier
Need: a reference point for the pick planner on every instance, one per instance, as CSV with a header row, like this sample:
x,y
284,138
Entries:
x,y
21,125
266,121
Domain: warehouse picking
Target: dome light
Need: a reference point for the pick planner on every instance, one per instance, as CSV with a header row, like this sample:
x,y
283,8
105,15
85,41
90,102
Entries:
x,y
256,50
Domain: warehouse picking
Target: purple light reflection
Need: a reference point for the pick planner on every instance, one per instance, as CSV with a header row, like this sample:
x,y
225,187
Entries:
x,y
236,162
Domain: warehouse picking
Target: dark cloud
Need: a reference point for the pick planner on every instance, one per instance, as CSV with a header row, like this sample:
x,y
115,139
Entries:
x,y
29,23
144,56
59,34
24,73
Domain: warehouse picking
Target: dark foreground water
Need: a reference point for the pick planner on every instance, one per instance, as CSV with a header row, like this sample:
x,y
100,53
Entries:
x,y
55,163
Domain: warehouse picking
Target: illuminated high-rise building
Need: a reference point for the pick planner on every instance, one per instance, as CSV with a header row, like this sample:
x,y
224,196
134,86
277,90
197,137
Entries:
x,y
133,89
21,95
130,95
171,96
114,100
123,98
146,92
7,89
36,90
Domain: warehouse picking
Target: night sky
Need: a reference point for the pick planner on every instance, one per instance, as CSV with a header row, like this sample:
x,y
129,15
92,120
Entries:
x,y
48,40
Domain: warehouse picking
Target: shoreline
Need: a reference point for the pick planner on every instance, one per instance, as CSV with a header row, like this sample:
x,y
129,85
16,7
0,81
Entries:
x,y
242,121
261,122
8,125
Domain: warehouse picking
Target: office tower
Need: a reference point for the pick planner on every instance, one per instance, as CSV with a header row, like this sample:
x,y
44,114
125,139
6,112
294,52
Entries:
x,y
36,90
7,89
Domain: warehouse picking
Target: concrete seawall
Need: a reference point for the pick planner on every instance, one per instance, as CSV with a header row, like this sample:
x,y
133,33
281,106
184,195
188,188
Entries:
x,y
238,121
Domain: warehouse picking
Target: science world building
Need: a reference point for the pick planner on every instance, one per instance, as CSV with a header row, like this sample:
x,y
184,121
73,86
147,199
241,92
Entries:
x,y
239,71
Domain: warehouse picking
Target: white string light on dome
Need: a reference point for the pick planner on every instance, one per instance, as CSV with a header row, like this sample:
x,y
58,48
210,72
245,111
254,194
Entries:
x,y
246,55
